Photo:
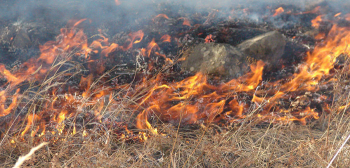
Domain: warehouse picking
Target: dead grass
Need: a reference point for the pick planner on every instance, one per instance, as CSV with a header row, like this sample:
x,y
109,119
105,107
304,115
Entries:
x,y
273,146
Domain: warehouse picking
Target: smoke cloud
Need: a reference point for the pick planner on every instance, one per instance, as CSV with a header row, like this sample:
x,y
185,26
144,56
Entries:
x,y
107,10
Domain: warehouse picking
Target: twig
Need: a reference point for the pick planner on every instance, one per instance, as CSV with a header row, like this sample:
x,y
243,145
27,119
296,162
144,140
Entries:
x,y
342,146
22,159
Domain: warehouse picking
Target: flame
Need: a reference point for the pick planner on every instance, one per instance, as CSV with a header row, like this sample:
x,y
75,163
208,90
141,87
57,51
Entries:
x,y
320,36
316,22
30,121
317,9
151,46
211,99
161,15
139,34
338,14
190,101
5,111
69,40
209,106
11,78
347,17
209,39
278,11
186,22
166,38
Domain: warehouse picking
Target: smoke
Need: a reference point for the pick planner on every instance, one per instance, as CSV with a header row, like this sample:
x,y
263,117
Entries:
x,y
130,15
107,10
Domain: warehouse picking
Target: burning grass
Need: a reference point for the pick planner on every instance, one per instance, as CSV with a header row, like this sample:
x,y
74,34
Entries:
x,y
245,144
68,98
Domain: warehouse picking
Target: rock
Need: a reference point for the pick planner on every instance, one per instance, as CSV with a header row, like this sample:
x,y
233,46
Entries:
x,y
312,33
21,40
268,47
215,59
294,51
235,36
227,60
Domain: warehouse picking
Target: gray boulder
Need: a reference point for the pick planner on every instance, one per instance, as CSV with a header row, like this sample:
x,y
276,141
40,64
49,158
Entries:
x,y
227,60
268,47
215,59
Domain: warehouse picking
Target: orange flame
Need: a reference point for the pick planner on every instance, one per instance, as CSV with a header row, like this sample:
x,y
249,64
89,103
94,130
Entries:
x,y
5,111
166,38
152,45
278,11
161,15
316,22
133,36
317,9
186,22
338,14
347,17
209,39
209,106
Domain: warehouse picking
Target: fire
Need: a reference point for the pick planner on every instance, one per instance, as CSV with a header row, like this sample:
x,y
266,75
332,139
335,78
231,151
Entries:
x,y
317,9
338,14
30,120
5,111
318,64
193,100
347,17
320,36
316,22
135,37
278,11
71,104
209,39
161,16
186,22
166,38
151,46
210,99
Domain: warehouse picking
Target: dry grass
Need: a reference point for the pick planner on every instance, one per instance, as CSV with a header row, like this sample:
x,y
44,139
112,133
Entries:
x,y
276,146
